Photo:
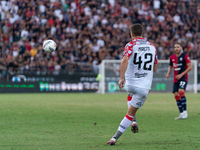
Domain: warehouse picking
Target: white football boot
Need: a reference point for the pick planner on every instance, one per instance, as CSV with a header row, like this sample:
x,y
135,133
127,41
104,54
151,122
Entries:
x,y
184,115
179,117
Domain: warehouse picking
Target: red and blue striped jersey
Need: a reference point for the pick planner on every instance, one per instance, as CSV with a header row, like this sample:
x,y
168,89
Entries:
x,y
180,65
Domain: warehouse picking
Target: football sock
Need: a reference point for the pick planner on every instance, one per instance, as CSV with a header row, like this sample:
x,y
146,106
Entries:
x,y
134,119
117,134
179,103
179,106
125,123
183,100
184,103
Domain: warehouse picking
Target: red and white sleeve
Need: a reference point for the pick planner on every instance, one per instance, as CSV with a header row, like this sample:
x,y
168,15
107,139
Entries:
x,y
128,50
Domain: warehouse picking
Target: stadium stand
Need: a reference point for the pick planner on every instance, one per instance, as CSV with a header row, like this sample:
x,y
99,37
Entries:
x,y
87,31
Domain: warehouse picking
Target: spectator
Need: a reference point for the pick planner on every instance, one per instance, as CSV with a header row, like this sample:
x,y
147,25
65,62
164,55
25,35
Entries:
x,y
42,7
24,34
88,31
177,18
95,47
156,4
33,51
16,78
100,42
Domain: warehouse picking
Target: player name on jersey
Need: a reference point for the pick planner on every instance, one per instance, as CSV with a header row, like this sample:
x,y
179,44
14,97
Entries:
x,y
143,49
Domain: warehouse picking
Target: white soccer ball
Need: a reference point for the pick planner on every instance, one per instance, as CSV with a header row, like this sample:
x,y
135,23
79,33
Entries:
x,y
49,46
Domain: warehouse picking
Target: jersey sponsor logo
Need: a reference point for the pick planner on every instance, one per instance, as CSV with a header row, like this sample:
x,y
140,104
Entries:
x,y
176,65
143,49
138,75
177,69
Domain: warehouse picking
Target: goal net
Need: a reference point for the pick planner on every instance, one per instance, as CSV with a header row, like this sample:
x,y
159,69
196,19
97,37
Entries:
x,y
110,75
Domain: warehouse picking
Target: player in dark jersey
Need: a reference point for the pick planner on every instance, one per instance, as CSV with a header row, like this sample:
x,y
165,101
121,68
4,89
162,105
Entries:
x,y
182,65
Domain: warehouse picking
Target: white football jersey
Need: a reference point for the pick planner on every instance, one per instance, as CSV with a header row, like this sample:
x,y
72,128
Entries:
x,y
142,57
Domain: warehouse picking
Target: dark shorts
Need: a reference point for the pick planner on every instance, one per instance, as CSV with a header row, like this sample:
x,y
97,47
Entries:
x,y
179,85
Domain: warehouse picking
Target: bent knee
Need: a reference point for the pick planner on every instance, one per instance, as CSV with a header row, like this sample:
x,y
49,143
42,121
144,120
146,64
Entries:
x,y
177,97
181,93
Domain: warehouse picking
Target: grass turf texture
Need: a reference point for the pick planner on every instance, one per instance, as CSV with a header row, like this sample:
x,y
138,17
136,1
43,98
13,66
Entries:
x,y
88,121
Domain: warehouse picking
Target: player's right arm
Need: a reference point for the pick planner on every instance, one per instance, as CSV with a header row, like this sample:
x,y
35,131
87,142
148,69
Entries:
x,y
124,65
169,72
169,69
128,50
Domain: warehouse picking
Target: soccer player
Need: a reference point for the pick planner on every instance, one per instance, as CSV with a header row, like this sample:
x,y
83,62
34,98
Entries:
x,y
182,65
137,66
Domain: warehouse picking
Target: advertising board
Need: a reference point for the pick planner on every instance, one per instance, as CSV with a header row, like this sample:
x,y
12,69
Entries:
x,y
40,83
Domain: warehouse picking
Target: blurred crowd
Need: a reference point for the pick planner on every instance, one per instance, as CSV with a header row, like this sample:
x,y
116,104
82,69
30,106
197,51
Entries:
x,y
88,31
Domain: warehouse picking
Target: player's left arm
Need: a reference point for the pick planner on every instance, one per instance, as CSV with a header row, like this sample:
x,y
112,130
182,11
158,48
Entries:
x,y
155,62
189,67
124,64
155,67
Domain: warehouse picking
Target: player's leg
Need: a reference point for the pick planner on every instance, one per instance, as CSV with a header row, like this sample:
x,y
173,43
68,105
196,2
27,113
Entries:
x,y
181,90
179,105
183,100
134,125
136,102
124,124
129,98
178,100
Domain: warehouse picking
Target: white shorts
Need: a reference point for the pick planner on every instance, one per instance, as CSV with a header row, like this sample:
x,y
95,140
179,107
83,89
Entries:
x,y
139,95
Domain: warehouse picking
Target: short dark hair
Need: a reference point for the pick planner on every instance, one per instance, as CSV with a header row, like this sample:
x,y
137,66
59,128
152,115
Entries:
x,y
180,44
137,29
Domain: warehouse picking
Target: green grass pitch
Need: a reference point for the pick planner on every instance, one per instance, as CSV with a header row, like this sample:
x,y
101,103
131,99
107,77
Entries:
x,y
88,121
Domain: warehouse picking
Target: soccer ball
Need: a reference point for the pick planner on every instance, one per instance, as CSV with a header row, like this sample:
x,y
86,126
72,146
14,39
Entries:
x,y
49,46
